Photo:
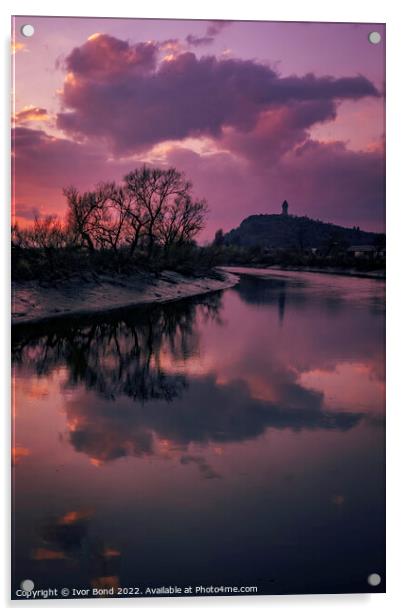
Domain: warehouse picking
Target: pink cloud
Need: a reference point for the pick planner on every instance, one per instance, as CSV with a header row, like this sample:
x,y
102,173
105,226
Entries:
x,y
119,93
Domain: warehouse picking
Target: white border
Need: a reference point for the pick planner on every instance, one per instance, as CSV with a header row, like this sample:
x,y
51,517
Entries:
x,y
292,10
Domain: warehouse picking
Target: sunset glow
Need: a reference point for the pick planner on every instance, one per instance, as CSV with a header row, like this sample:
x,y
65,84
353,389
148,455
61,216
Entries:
x,y
305,127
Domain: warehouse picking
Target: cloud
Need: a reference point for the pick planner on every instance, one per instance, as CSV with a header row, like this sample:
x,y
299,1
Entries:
x,y
120,93
258,170
43,164
108,432
329,180
217,25
212,31
252,171
46,554
196,41
205,469
30,114
16,47
26,211
278,131
103,56
154,102
18,453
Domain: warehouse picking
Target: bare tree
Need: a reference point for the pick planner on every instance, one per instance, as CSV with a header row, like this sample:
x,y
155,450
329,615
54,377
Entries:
x,y
110,216
152,204
130,216
182,221
84,212
46,233
155,190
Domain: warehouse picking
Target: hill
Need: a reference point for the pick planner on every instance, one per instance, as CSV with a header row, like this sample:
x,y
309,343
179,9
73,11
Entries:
x,y
282,231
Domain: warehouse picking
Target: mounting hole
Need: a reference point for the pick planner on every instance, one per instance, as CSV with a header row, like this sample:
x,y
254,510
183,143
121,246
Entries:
x,y
374,38
374,579
27,585
27,30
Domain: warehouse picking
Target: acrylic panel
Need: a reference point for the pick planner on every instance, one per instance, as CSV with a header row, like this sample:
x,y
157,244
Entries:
x,y
198,309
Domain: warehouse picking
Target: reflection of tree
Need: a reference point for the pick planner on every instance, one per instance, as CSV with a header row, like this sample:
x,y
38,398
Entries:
x,y
265,291
66,539
122,356
140,357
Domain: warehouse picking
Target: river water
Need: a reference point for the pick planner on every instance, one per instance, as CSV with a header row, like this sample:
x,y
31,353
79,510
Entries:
x,y
232,440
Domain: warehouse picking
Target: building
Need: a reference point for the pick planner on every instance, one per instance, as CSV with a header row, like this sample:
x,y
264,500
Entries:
x,y
285,207
364,251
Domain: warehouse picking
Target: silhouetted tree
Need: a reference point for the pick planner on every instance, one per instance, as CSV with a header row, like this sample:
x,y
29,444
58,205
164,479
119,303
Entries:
x,y
165,195
152,205
219,238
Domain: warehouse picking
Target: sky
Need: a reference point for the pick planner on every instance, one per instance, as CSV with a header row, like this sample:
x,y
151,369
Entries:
x,y
252,112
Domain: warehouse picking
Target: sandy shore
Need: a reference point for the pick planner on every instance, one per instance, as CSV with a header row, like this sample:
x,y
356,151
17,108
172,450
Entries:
x,y
261,271
33,302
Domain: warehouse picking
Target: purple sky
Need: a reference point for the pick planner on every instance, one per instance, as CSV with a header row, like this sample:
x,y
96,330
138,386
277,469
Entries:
x,y
252,112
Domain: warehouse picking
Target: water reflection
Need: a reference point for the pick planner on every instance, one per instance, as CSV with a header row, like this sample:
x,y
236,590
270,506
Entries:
x,y
142,358
226,411
118,357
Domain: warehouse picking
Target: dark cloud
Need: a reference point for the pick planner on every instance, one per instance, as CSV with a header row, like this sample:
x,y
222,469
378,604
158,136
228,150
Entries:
x,y
26,211
323,180
217,25
43,164
329,180
212,31
35,151
106,432
104,56
203,466
118,92
278,131
196,41
254,174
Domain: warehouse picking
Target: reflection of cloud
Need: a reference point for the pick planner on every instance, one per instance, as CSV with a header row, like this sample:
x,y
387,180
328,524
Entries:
x,y
66,533
72,517
127,371
338,499
205,469
348,385
18,453
111,553
106,581
66,538
46,554
208,413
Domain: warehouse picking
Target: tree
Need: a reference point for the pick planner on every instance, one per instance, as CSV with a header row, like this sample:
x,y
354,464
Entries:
x,y
183,219
47,234
84,212
164,195
219,238
110,217
132,216
152,207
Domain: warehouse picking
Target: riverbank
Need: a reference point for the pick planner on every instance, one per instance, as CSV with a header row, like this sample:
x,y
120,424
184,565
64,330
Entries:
x,y
34,302
376,275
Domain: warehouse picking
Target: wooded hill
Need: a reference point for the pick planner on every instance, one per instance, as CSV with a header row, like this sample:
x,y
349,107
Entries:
x,y
281,231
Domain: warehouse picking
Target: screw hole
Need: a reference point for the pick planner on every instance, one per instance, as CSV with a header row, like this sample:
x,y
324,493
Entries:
x,y
27,585
27,30
374,38
374,579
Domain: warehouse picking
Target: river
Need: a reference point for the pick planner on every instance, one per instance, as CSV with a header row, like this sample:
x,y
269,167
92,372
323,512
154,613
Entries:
x,y
235,439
